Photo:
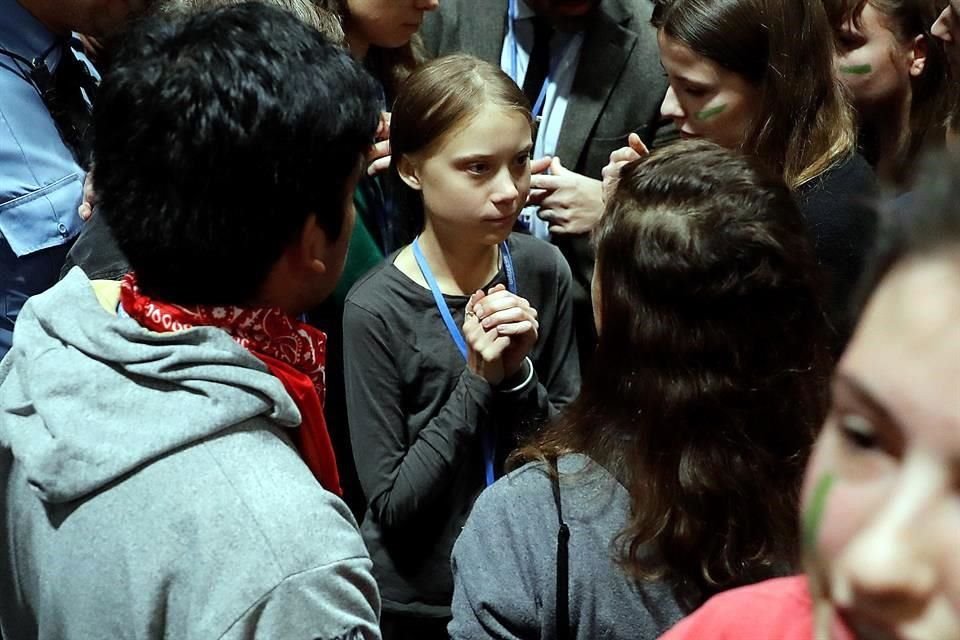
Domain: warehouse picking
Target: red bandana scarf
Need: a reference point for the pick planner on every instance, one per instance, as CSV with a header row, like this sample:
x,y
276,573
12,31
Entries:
x,y
293,351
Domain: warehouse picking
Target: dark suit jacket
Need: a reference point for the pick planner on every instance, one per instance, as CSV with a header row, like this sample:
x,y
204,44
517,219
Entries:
x,y
618,86
617,89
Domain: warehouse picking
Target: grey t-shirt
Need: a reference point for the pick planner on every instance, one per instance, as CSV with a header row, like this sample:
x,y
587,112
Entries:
x,y
416,415
505,561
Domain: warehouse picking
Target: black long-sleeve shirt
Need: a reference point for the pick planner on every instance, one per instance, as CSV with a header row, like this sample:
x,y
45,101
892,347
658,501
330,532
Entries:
x,y
416,415
837,207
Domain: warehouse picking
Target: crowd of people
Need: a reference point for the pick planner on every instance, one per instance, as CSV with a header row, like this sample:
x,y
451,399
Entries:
x,y
342,319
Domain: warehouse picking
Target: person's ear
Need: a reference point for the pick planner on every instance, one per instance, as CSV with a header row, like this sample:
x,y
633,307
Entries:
x,y
409,171
313,248
918,56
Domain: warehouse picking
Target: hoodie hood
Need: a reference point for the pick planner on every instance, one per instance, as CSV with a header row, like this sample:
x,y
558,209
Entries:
x,y
87,396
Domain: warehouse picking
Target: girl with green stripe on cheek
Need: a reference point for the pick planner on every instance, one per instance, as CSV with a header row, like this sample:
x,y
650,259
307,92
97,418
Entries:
x,y
704,99
880,506
898,77
757,77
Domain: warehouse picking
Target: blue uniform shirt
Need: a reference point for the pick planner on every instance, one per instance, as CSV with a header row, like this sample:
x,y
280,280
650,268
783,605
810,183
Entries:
x,y
41,183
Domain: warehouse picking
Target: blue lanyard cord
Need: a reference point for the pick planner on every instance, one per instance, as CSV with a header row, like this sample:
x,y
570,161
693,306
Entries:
x,y
487,438
512,35
537,110
442,307
508,267
489,456
452,327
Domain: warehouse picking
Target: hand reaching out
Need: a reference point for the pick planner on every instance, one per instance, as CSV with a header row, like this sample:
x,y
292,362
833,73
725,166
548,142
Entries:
x,y
89,201
611,173
378,157
569,202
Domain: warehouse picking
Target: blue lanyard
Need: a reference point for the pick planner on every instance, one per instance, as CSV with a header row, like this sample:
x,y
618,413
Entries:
x,y
554,60
448,320
489,448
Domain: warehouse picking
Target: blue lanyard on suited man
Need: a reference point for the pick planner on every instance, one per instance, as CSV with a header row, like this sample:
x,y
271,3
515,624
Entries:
x,y
542,80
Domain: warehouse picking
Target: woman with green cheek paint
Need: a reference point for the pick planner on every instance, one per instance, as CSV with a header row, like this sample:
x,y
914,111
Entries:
x,y
898,77
881,502
758,77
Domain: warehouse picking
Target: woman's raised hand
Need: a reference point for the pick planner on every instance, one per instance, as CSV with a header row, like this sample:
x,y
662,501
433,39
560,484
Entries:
x,y
378,157
611,173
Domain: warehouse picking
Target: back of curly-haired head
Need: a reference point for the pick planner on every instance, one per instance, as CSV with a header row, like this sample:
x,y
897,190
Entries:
x,y
322,19
710,372
217,134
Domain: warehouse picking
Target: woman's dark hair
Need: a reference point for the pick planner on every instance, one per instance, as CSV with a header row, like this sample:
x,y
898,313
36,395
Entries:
x,y
218,134
785,48
934,91
438,98
390,66
710,375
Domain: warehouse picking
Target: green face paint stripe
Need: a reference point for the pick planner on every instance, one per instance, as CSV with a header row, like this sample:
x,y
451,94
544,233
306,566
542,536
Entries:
x,y
712,111
857,69
813,516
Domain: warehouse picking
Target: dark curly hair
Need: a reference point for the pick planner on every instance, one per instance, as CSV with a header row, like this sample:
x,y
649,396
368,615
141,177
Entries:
x,y
217,134
710,376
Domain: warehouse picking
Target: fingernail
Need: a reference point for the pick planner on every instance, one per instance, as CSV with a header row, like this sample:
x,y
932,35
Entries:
x,y
478,309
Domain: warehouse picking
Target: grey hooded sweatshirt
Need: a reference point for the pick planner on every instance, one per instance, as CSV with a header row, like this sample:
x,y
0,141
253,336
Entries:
x,y
147,489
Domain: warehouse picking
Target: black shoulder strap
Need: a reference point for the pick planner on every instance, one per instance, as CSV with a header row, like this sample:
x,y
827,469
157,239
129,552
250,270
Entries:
x,y
563,559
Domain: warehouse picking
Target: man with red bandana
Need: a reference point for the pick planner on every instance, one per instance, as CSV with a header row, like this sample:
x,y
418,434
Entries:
x,y
153,433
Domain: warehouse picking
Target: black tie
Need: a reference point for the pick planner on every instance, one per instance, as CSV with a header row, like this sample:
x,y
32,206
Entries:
x,y
539,64
67,105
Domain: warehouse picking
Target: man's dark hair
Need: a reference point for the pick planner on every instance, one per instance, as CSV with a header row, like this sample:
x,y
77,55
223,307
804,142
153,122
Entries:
x,y
216,136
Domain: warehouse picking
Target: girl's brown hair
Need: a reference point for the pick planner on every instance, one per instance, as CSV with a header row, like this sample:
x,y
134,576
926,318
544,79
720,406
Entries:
x,y
785,48
711,369
934,91
438,98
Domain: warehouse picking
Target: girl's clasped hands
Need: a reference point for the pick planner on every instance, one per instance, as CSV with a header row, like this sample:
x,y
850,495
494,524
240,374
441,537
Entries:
x,y
500,329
